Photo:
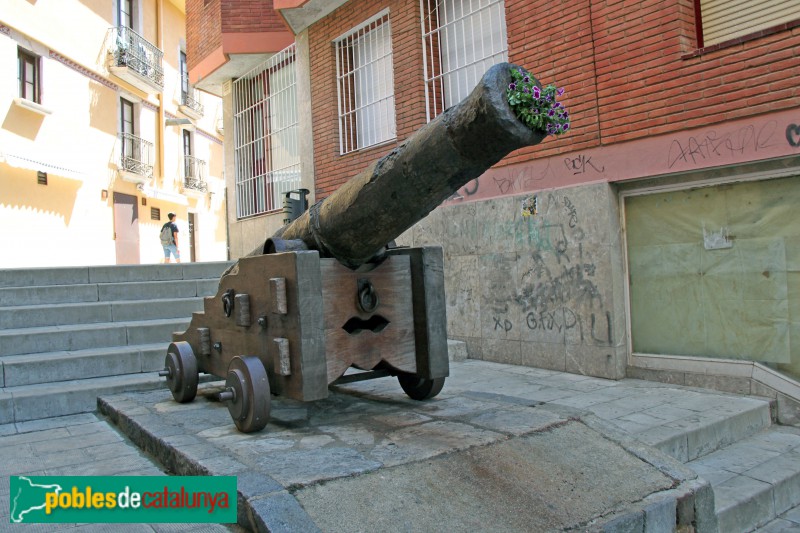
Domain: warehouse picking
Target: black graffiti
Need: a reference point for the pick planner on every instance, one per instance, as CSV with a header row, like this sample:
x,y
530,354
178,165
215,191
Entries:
x,y
572,212
713,145
791,131
466,190
559,320
568,287
503,324
580,164
609,335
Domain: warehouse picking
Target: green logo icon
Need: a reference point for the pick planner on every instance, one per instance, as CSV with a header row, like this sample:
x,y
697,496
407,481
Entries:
x,y
123,499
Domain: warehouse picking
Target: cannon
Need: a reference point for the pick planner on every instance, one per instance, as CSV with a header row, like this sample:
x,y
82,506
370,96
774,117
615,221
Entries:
x,y
329,291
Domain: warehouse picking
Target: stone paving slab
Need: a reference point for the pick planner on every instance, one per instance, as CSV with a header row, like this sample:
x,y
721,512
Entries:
x,y
370,431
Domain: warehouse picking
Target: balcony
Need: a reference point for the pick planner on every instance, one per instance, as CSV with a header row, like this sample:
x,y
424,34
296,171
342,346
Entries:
x,y
194,176
190,101
136,159
135,60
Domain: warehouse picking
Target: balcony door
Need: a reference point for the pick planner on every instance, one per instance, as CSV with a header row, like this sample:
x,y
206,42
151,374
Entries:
x,y
127,130
188,170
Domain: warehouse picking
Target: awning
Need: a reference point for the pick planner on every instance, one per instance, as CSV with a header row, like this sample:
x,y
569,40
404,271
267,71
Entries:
x,y
38,163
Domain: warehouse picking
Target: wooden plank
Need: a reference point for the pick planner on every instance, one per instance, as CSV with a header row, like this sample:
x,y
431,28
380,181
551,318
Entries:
x,y
300,326
366,349
430,318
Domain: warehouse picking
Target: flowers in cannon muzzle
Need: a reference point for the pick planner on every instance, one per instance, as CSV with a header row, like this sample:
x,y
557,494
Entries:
x,y
537,108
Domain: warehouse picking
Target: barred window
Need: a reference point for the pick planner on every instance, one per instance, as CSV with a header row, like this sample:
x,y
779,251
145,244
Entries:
x,y
265,135
461,40
365,85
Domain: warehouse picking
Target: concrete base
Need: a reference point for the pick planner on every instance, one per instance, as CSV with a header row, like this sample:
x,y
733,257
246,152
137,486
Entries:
x,y
369,458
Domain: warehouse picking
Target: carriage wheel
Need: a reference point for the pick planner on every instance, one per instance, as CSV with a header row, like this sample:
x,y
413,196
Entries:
x,y
247,393
180,369
418,388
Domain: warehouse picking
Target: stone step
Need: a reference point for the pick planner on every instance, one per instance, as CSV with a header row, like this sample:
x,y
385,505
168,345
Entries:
x,y
96,312
756,479
705,424
29,277
85,336
32,402
32,369
106,292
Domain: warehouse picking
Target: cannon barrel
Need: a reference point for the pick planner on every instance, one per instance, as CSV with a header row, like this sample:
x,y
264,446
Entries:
x,y
370,210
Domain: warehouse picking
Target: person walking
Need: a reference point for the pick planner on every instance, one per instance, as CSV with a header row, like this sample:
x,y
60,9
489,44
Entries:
x,y
169,239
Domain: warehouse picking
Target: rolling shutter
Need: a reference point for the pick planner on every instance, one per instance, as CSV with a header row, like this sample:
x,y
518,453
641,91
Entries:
x,y
728,19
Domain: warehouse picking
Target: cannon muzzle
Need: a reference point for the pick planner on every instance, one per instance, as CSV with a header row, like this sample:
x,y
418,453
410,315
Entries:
x,y
374,207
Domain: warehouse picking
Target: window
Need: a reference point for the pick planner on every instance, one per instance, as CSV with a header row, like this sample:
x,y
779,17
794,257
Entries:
x,y
155,213
125,13
189,172
127,121
29,84
713,272
722,20
265,135
184,76
461,40
365,85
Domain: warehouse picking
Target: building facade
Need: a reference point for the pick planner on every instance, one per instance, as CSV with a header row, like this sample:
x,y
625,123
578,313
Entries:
x,y
656,239
103,136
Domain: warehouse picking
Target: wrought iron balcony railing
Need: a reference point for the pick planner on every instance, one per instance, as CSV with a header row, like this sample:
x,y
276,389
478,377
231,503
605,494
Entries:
x,y
136,155
191,98
194,174
133,51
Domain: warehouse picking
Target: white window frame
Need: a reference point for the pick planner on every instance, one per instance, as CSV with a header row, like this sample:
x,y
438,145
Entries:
x,y
365,84
461,39
265,134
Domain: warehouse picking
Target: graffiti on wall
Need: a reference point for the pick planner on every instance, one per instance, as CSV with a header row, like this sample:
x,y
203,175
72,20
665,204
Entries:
x,y
793,135
556,291
712,145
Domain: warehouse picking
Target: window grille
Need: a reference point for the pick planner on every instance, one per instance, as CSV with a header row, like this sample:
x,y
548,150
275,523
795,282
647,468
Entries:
x,y
155,213
461,40
265,135
365,85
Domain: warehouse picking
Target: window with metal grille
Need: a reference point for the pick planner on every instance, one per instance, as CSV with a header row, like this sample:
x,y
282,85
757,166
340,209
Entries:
x,y
461,40
723,20
155,213
365,85
265,135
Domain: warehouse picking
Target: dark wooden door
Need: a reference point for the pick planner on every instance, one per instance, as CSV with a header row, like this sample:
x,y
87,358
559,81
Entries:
x,y
126,228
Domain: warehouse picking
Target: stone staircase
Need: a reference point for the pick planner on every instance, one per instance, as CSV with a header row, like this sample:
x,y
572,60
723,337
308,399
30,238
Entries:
x,y
68,335
752,464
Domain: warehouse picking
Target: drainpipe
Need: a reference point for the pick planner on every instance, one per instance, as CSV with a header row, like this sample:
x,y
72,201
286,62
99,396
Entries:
x,y
160,95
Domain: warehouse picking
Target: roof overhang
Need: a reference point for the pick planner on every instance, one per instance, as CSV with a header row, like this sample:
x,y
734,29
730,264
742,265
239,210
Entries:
x,y
300,14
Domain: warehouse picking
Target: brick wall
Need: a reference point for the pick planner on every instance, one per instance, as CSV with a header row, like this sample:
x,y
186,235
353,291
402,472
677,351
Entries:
x,y
650,81
207,20
332,169
250,16
203,30
630,68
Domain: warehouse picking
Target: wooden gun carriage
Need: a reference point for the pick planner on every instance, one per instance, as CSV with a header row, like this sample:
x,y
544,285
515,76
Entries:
x,y
328,291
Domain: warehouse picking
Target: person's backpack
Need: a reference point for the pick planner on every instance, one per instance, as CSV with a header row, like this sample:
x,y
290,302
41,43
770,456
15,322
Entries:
x,y
166,235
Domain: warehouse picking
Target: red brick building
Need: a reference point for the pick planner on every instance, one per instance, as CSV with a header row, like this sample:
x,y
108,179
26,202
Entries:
x,y
664,244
